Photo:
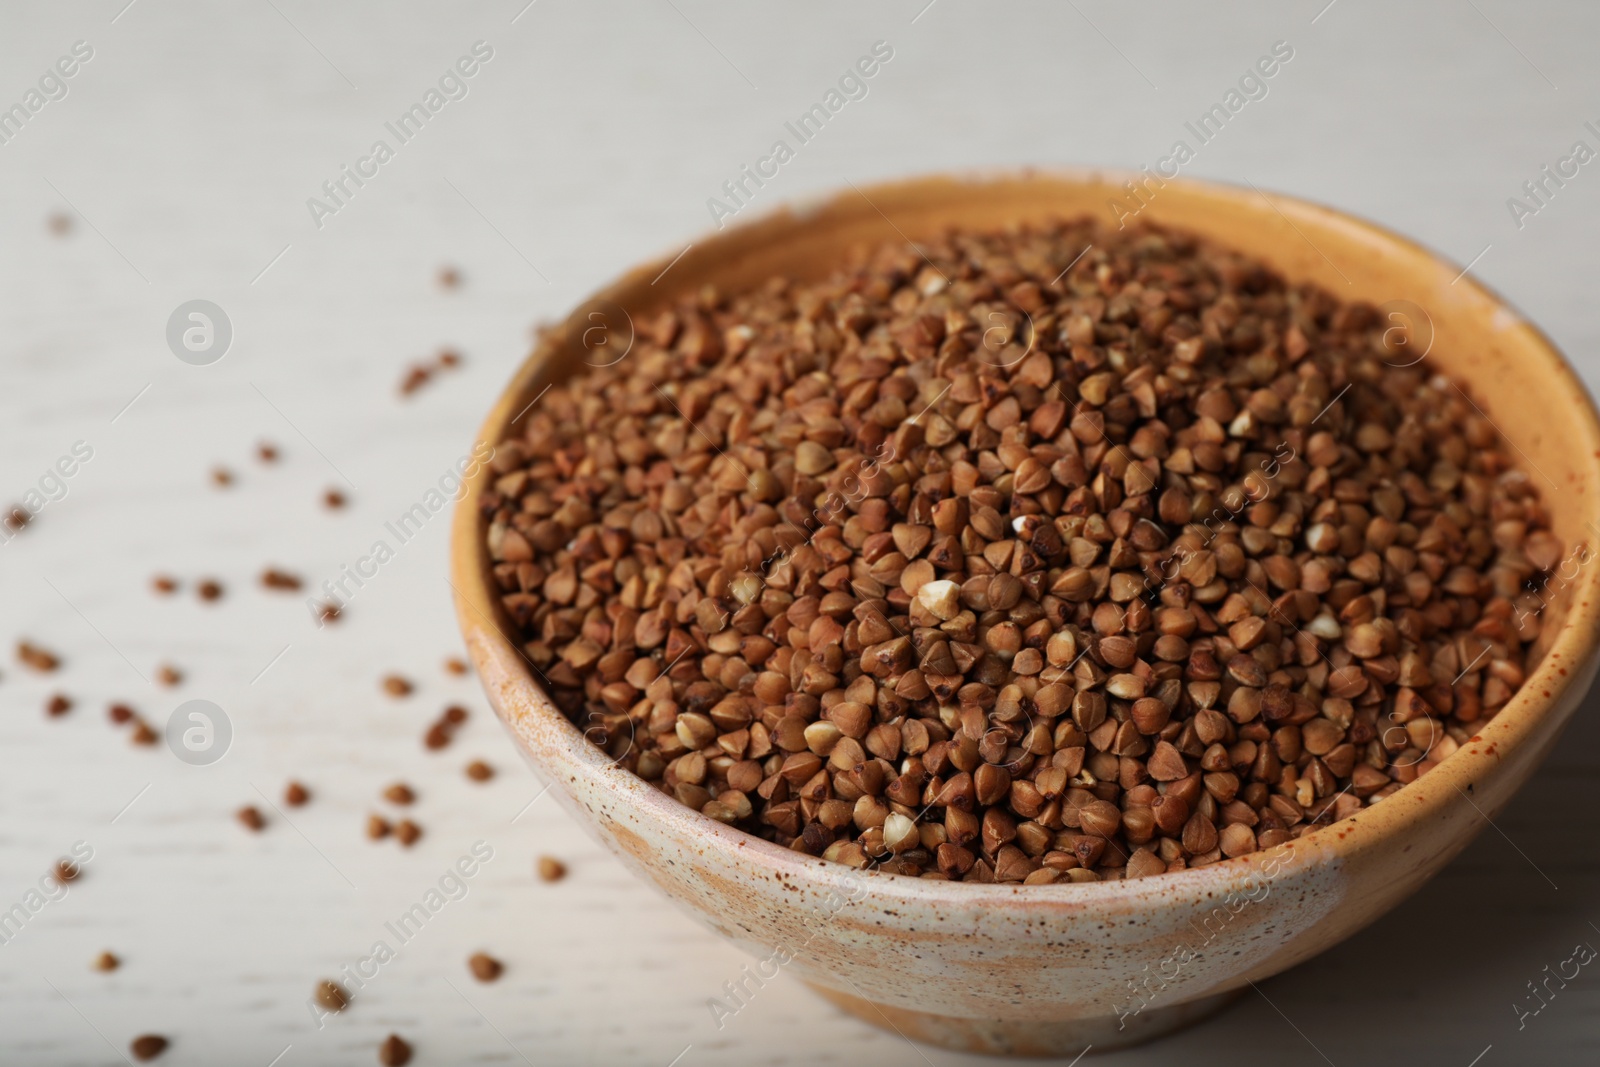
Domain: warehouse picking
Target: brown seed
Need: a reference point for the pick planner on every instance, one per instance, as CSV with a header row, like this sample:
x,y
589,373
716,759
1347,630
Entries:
x,y
67,871
120,713
485,968
449,278
1199,835
455,665
551,869
377,827
941,599
1144,863
272,578
164,584
143,734
333,499
1237,839
221,477
399,793
1171,813
58,704
396,686
330,995
438,736
394,1052
147,1046
479,771
1149,715
106,961
1125,686
295,795
38,658
251,818
267,452
407,832
455,714
1100,818
168,675
1364,640
1167,763
415,378
209,589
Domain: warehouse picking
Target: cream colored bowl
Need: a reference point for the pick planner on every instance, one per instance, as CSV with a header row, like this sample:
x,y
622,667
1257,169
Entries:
x,y
1041,970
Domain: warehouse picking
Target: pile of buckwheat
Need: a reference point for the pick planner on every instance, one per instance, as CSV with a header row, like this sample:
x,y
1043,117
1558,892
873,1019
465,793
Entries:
x,y
965,563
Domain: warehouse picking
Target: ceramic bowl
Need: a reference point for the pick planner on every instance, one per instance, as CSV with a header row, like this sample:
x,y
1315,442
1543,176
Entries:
x,y
1048,970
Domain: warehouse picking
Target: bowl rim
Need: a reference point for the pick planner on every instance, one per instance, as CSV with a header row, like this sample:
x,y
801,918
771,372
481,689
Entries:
x,y
505,670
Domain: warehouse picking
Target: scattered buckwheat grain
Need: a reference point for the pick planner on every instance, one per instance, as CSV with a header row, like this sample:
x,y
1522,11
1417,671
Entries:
x,y
148,1046
399,793
394,1052
330,995
283,581
37,658
485,968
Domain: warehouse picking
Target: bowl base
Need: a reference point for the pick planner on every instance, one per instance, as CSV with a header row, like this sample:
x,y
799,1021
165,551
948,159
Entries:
x,y
1014,1037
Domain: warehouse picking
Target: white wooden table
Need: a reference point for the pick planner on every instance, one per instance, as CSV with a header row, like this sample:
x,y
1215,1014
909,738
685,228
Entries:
x,y
184,151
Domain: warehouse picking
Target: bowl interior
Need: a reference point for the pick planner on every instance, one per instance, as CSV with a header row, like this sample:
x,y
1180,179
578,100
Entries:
x,y
1504,366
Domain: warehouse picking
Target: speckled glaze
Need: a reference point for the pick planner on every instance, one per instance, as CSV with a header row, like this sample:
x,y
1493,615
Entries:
x,y
1047,970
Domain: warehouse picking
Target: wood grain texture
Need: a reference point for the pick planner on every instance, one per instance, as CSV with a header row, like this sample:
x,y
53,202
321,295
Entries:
x,y
185,151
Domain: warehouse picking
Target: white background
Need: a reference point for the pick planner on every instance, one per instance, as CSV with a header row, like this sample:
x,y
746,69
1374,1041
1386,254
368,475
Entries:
x,y
185,152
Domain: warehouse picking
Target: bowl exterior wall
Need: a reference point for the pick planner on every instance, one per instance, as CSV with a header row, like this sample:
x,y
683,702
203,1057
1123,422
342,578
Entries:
x,y
1107,951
